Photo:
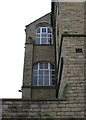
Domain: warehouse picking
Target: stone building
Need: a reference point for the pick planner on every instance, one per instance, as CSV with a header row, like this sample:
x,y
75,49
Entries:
x,y
39,60
54,67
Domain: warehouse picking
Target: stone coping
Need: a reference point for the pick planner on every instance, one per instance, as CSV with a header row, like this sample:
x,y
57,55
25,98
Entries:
x,y
16,99
43,118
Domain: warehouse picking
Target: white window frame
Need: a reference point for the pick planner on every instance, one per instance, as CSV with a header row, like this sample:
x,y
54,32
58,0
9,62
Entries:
x,y
44,75
47,38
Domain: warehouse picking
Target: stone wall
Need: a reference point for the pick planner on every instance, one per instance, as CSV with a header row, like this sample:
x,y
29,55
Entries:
x,y
35,53
43,53
73,68
50,109
71,102
71,17
27,75
42,92
72,21
31,28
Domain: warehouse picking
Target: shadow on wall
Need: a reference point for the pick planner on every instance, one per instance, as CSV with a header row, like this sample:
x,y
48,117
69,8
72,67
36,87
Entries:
x,y
0,109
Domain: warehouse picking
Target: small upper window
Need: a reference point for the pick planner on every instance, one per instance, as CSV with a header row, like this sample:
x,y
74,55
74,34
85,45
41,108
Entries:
x,y
43,35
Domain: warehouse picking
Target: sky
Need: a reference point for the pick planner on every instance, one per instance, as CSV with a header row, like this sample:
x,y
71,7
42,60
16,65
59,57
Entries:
x,y
14,16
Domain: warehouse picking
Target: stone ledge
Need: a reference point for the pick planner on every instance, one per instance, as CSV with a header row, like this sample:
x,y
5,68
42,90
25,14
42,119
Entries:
x,y
43,44
43,118
39,87
21,100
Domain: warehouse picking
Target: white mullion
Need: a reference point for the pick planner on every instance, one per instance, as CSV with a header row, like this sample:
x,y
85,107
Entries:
x,y
38,75
51,36
49,72
47,34
40,34
43,77
43,74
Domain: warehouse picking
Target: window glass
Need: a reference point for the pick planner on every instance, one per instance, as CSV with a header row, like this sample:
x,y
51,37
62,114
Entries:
x,y
53,80
37,41
46,72
43,35
52,66
49,36
49,40
35,67
41,65
35,72
43,74
34,80
46,80
37,35
43,30
45,65
49,30
40,80
43,40
38,30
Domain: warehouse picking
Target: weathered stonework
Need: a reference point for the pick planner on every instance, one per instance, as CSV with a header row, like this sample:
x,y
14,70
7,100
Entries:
x,y
31,28
42,92
42,109
71,17
44,53
36,53
27,78
40,102
72,21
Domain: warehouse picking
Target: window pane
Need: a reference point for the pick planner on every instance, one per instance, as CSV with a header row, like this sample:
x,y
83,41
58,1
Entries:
x,y
52,80
35,67
49,30
35,73
34,80
46,80
37,35
52,77
46,72
41,65
52,66
38,30
49,40
49,35
41,72
45,65
52,72
44,35
40,80
43,40
43,30
37,41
